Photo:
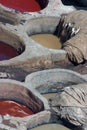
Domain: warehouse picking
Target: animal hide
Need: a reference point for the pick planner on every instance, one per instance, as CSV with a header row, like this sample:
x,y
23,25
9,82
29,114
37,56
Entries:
x,y
74,36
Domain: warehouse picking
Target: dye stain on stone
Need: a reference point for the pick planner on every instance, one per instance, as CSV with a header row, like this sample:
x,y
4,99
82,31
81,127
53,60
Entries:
x,y
14,109
22,5
7,52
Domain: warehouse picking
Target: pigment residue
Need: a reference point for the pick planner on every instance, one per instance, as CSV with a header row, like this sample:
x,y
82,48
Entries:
x,y
22,5
14,109
7,52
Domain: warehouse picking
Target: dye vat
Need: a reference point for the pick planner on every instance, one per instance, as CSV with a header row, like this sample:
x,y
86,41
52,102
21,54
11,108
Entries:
x,y
11,90
7,52
51,127
53,80
47,40
14,109
22,5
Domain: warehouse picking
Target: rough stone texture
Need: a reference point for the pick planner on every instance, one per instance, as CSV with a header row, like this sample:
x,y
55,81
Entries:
x,y
15,73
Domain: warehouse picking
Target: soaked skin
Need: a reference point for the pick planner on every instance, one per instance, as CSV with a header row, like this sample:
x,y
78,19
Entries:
x,y
14,109
22,5
7,52
51,127
47,40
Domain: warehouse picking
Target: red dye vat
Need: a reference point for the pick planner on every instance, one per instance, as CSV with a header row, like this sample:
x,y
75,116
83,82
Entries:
x,y
22,5
14,109
7,52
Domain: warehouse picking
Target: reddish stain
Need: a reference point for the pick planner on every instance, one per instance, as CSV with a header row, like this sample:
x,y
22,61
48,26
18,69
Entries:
x,y
14,109
7,52
22,5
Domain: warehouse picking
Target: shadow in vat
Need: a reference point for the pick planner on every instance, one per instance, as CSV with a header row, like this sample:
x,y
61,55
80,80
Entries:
x,y
74,3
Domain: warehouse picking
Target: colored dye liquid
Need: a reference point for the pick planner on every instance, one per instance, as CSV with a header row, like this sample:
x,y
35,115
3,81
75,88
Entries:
x,y
49,95
51,127
47,40
22,5
7,52
14,109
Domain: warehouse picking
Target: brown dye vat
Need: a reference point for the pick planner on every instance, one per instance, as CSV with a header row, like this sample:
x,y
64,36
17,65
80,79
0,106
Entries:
x,y
51,127
47,40
14,109
49,95
7,52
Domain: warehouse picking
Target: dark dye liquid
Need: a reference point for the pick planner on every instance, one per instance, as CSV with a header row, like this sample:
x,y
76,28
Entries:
x,y
7,52
14,109
22,5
